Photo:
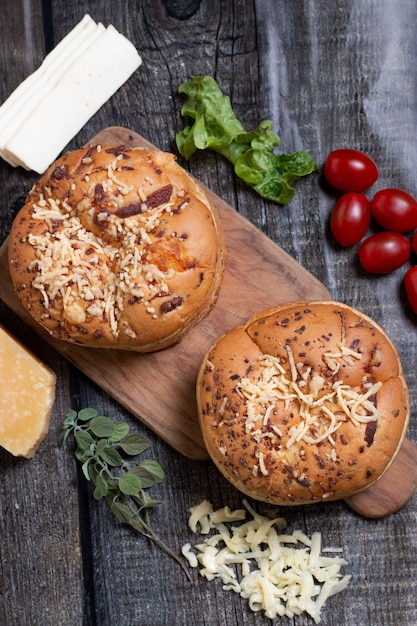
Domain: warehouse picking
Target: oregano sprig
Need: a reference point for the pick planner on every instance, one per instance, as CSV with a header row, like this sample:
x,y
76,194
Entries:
x,y
105,448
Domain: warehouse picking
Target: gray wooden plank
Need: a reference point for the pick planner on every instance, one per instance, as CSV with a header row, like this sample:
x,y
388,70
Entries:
x,y
329,75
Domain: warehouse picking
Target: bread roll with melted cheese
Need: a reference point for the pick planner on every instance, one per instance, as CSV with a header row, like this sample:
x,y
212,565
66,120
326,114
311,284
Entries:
x,y
117,248
306,402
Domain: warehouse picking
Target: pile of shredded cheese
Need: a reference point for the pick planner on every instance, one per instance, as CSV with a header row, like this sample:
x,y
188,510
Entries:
x,y
279,573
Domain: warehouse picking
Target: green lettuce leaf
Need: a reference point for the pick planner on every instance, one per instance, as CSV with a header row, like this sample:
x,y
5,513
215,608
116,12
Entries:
x,y
217,128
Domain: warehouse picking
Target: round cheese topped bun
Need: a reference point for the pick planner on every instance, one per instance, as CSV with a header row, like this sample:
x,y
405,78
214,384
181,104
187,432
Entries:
x,y
117,248
306,402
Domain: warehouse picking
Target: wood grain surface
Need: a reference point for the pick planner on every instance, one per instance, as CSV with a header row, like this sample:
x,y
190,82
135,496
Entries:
x,y
328,75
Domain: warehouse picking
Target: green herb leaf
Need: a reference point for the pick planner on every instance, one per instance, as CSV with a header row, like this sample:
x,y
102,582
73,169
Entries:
x,y
70,419
101,444
85,414
147,479
111,457
86,469
121,511
216,128
102,426
121,430
153,469
92,470
146,501
83,440
134,444
130,484
102,487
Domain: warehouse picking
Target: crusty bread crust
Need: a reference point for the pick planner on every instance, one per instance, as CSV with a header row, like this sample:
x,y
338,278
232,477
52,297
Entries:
x,y
117,247
338,403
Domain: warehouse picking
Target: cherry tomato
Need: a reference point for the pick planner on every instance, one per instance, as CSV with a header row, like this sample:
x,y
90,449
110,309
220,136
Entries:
x,y
395,209
410,282
384,252
350,218
414,243
350,170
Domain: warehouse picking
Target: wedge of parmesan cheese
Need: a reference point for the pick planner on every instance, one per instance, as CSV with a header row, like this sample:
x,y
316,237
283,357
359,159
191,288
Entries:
x,y
279,573
52,105
26,399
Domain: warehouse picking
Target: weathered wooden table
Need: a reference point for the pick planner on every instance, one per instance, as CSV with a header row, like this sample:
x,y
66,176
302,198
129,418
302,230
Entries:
x,y
329,75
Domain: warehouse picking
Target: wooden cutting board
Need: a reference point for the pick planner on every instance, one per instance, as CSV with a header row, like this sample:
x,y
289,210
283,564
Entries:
x,y
159,388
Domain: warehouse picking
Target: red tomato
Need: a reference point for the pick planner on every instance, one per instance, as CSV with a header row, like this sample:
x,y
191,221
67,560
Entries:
x,y
350,218
350,170
395,209
384,252
410,282
414,243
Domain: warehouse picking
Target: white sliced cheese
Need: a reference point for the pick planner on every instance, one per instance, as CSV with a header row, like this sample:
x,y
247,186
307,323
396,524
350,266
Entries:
x,y
86,84
85,26
28,94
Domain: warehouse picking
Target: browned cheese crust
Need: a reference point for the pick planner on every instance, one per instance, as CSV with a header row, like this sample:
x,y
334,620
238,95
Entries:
x,y
306,402
117,248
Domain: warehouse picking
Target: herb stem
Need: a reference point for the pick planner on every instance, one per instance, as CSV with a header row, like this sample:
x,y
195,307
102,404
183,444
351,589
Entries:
x,y
149,533
102,445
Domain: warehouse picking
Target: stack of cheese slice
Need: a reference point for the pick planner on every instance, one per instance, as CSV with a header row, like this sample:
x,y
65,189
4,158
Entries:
x,y
51,105
26,399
